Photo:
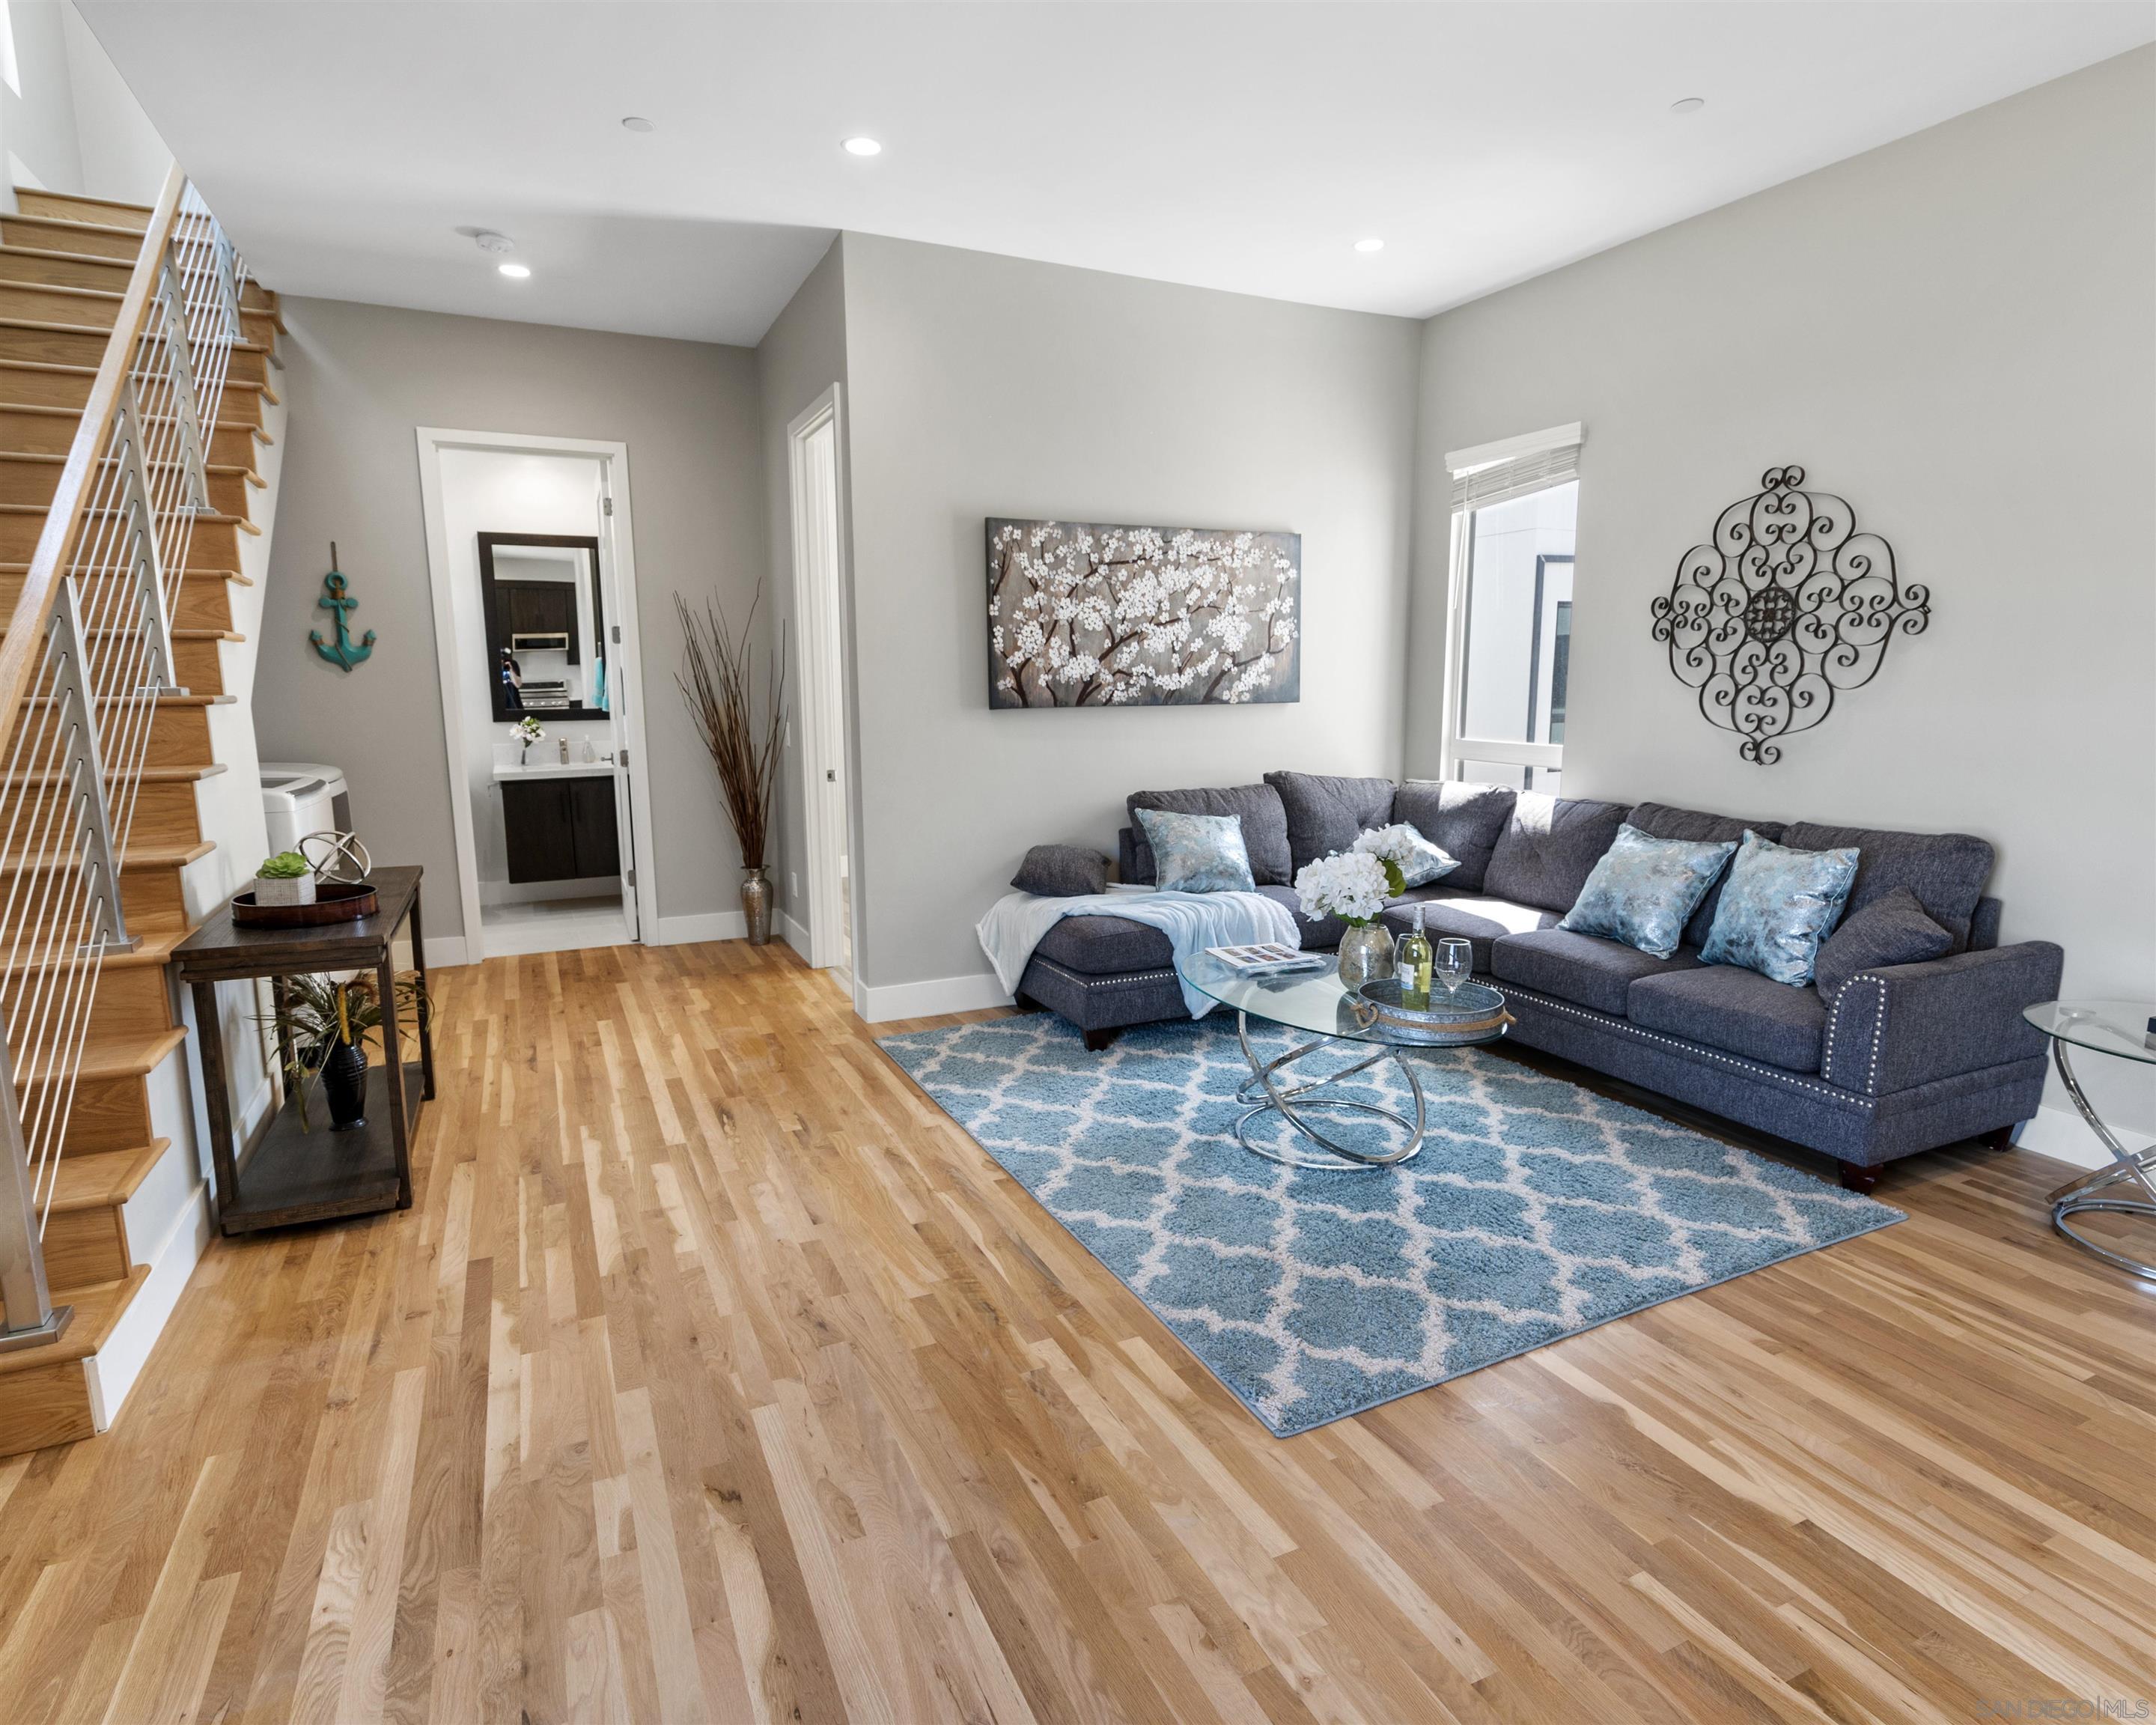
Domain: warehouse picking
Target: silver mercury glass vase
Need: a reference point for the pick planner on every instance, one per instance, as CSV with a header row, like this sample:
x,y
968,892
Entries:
x,y
756,905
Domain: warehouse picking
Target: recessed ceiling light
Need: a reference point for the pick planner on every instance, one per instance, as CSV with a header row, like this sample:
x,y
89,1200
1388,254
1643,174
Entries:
x,y
863,146
515,272
1369,245
1688,104
637,122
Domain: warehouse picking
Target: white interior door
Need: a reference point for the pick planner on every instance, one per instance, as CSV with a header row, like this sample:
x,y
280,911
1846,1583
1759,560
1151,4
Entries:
x,y
618,695
814,452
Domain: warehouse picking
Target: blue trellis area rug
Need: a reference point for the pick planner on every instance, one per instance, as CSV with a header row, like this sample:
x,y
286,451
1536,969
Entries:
x,y
1535,1210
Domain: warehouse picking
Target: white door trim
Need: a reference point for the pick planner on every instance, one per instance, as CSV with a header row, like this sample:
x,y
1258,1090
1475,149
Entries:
x,y
820,607
614,457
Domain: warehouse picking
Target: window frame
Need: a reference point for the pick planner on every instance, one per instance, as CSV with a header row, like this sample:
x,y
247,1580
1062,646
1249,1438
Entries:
x,y
1455,747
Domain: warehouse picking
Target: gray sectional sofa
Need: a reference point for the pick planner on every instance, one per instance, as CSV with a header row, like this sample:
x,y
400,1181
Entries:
x,y
1900,1060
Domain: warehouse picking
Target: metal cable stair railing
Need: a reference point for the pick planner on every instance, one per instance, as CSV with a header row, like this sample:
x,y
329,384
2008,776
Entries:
x,y
87,657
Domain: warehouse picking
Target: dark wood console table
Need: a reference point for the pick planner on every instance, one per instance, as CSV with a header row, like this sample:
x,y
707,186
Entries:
x,y
295,1176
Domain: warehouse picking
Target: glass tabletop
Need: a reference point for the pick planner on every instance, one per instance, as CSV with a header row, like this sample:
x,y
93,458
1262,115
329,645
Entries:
x,y
2124,1028
1316,1002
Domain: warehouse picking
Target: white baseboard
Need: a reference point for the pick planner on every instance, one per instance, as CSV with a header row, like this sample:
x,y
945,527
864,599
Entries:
x,y
113,1369
446,952
709,925
922,1000
2063,1135
793,933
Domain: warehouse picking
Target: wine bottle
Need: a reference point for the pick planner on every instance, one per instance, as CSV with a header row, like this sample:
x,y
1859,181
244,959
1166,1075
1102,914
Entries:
x,y
1414,956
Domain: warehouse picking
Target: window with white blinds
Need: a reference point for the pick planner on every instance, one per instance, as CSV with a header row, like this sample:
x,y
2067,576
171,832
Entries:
x,y
1515,507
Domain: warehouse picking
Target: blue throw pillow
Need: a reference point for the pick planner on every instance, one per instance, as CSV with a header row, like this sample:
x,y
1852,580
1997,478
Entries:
x,y
1644,890
1778,906
1418,861
1197,853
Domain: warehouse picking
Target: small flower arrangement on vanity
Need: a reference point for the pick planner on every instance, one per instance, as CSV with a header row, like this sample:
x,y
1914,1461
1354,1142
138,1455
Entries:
x,y
528,731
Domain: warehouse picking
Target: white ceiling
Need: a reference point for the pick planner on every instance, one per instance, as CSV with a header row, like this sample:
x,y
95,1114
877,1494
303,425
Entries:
x,y
1241,147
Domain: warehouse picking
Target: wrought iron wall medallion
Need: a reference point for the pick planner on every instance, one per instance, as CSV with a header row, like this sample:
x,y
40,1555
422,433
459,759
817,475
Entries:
x,y
1788,606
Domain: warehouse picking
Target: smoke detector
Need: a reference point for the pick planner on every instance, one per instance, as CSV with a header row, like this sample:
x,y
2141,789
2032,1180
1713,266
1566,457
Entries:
x,y
493,243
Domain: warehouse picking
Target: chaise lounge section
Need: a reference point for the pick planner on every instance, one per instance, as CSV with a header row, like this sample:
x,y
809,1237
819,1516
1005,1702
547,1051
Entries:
x,y
1900,1058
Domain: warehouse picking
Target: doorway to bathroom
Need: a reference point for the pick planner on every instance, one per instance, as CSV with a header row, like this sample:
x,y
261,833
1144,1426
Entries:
x,y
531,554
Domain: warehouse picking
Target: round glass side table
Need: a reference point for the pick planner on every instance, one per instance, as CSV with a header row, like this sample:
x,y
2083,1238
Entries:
x,y
2126,1029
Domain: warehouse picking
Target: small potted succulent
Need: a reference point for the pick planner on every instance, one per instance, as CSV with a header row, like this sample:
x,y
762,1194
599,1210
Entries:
x,y
529,730
285,878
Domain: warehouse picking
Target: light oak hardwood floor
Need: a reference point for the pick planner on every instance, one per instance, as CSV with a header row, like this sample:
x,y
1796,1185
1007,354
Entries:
x,y
716,1376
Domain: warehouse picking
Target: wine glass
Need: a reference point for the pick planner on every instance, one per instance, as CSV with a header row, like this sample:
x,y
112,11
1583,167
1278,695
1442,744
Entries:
x,y
1451,964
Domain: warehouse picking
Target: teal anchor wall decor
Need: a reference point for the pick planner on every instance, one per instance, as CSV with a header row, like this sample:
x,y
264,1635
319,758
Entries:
x,y
345,653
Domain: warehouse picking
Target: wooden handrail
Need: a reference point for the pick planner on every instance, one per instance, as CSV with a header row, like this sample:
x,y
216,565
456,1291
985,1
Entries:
x,y
63,521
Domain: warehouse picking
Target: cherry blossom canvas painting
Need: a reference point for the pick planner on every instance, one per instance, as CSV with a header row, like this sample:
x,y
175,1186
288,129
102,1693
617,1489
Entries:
x,y
1081,613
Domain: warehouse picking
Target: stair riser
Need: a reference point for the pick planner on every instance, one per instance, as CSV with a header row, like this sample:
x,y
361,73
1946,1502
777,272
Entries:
x,y
200,667
36,481
179,736
83,1248
25,386
65,206
86,347
149,898
205,602
45,1405
39,236
22,434
212,544
165,812
46,304
59,268
107,1114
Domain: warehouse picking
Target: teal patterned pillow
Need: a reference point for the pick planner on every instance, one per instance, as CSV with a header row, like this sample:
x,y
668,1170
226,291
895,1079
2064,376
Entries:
x,y
1197,853
1778,906
1644,890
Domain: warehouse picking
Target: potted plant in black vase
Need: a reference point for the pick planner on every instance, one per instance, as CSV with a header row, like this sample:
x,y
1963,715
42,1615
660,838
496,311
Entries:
x,y
324,1024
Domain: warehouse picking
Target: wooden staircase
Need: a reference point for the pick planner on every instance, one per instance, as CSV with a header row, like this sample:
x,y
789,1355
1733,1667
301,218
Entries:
x,y
64,263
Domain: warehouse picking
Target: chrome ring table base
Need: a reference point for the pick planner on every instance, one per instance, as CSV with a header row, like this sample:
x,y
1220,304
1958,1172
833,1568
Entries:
x,y
1291,1102
2095,1192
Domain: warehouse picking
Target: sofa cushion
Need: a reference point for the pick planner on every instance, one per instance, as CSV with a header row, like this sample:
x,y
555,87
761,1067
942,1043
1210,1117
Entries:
x,y
1104,946
1196,853
1548,848
1889,931
1584,968
1472,916
1257,806
1061,871
1319,933
1644,890
1463,821
1739,1012
1663,821
1325,814
1945,870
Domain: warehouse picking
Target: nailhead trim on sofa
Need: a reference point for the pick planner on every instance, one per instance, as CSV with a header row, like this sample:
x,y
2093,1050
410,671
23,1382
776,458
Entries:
x,y
1833,1092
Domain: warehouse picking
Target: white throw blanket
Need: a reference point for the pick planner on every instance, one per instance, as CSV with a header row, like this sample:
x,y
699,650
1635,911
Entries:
x,y
1191,922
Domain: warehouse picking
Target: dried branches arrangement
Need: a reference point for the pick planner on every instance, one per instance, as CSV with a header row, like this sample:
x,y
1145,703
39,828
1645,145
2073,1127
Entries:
x,y
718,682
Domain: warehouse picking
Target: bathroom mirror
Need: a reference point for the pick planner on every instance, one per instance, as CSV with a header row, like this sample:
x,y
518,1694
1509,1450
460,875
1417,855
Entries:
x,y
547,644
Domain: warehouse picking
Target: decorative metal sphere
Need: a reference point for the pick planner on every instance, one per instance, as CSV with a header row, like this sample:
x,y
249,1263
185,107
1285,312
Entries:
x,y
337,857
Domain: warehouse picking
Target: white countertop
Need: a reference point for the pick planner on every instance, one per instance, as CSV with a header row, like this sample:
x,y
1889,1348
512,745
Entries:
x,y
551,768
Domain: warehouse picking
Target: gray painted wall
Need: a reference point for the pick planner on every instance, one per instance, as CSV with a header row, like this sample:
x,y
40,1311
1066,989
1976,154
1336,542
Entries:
x,y
1957,333
985,385
359,379
802,355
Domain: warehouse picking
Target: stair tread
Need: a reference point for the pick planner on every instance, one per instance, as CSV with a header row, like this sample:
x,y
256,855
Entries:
x,y
41,510
149,775
104,1179
11,362
156,950
7,569
107,701
127,1054
97,1310
46,457
131,856
46,326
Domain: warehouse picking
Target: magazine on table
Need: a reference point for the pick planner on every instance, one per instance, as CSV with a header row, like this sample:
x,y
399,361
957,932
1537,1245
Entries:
x,y
1267,958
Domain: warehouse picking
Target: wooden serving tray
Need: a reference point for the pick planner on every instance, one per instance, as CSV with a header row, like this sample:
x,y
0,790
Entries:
x,y
334,901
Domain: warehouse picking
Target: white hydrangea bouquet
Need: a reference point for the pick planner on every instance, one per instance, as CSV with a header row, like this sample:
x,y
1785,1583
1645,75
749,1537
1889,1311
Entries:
x,y
1351,885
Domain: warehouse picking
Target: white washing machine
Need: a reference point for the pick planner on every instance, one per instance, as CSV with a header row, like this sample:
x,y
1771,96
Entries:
x,y
303,797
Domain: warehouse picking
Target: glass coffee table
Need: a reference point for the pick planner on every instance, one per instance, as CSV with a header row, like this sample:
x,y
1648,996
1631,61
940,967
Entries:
x,y
1318,1004
2126,1029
